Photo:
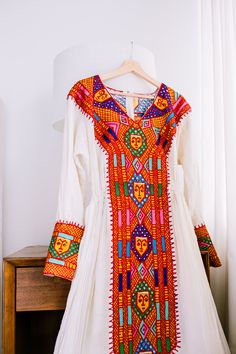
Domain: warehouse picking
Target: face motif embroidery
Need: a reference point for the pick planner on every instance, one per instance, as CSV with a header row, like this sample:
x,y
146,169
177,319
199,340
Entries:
x,y
141,244
135,141
139,190
62,245
161,103
143,300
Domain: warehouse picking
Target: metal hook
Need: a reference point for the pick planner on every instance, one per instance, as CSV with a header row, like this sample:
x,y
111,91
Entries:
x,y
132,49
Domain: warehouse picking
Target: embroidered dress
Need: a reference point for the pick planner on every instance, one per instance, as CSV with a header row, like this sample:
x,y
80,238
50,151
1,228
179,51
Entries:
x,y
129,231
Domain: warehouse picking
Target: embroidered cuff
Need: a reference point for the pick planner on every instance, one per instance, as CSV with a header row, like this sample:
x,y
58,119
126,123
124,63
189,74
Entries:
x,y
205,244
62,256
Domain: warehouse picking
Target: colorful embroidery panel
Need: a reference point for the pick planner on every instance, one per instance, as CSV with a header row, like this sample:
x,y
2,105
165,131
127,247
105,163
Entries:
x,y
205,244
63,250
143,289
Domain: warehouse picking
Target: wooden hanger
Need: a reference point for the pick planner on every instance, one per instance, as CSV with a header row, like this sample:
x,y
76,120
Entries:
x,y
131,65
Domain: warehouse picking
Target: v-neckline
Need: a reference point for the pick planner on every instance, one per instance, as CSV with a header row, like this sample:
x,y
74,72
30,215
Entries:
x,y
130,119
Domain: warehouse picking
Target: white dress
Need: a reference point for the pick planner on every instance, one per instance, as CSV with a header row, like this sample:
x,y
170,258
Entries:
x,y
129,229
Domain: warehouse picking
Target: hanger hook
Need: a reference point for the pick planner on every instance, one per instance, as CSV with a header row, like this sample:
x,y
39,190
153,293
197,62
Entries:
x,y
132,49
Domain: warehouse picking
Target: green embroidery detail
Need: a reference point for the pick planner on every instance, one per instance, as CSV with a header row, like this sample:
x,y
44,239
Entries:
x,y
168,344
117,188
151,189
136,141
131,347
126,188
143,299
122,348
159,345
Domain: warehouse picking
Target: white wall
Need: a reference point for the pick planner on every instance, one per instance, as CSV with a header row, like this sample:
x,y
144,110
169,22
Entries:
x,y
32,33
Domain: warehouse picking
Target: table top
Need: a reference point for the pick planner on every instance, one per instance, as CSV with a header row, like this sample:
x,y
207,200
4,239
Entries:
x,y
35,251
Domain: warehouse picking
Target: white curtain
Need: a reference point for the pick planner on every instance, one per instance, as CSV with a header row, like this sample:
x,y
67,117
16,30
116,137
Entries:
x,y
2,141
218,128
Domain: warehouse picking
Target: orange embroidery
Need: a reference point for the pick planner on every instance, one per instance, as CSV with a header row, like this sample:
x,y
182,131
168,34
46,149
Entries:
x,y
205,244
161,103
63,250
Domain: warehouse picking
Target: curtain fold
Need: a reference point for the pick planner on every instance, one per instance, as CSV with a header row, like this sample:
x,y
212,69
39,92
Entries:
x,y
218,124
2,145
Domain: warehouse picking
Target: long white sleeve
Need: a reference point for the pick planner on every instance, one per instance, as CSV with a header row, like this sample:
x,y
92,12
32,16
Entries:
x,y
63,250
187,156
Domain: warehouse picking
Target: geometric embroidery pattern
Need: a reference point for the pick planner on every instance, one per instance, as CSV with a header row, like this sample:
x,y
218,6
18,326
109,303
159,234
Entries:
x,y
205,244
62,255
143,329
137,165
140,215
142,270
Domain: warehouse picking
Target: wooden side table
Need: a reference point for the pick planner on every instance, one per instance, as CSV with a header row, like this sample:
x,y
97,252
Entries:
x,y
33,304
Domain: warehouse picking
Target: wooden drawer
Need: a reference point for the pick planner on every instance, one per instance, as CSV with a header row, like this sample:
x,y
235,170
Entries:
x,y
35,291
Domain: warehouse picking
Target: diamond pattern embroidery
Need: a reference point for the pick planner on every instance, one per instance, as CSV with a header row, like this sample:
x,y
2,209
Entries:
x,y
140,215
143,329
137,165
142,270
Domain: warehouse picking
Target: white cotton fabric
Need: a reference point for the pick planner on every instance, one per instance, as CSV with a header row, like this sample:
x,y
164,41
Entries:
x,y
85,325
